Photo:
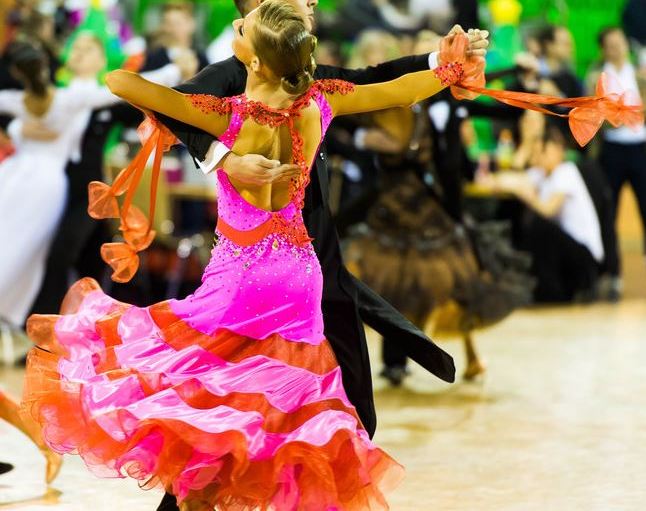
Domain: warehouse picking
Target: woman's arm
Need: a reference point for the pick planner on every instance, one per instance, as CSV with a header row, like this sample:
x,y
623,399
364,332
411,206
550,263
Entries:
x,y
150,96
223,79
401,92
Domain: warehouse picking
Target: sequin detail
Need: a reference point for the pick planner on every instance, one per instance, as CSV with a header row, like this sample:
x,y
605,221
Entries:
x,y
210,104
449,73
240,221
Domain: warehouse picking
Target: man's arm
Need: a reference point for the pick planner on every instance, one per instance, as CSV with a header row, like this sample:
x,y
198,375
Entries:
x,y
382,73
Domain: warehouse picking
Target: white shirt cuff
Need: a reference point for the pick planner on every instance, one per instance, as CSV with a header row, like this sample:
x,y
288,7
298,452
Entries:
x,y
434,60
214,155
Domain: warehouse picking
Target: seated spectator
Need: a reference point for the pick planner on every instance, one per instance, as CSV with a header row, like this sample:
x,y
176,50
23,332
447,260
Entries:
x,y
562,231
420,14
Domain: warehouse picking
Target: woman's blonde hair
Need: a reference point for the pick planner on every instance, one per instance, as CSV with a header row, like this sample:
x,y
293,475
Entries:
x,y
282,42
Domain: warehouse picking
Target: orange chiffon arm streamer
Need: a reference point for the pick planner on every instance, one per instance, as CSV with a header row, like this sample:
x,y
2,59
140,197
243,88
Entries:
x,y
207,112
586,116
136,229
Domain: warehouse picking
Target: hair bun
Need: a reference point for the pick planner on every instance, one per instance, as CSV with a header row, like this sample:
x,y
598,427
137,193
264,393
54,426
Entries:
x,y
299,83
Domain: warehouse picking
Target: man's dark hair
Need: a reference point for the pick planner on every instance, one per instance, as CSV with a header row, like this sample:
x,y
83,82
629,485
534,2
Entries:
x,y
30,63
601,38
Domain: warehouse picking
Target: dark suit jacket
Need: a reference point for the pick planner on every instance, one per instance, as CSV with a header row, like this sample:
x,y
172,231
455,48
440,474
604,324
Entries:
x,y
228,78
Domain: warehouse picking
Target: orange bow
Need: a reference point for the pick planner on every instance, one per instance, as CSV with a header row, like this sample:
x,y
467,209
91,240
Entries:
x,y
587,113
135,227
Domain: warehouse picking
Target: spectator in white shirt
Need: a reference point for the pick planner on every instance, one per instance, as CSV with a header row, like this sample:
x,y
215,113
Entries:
x,y
623,153
564,237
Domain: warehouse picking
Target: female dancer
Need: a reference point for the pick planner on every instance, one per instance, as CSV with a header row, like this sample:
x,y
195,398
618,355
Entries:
x,y
231,397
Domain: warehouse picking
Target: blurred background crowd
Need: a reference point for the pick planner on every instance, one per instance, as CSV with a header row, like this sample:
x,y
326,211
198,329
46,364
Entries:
x,y
457,212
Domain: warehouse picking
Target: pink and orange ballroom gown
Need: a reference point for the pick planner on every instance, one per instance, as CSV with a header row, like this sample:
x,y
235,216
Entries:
x,y
231,395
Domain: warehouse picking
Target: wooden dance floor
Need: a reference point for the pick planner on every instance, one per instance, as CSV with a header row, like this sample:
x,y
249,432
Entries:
x,y
558,424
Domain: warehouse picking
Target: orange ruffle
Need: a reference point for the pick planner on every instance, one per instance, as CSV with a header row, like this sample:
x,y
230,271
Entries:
x,y
234,348
342,474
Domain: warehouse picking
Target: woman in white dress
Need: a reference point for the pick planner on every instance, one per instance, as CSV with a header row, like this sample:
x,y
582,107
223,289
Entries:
x,y
33,184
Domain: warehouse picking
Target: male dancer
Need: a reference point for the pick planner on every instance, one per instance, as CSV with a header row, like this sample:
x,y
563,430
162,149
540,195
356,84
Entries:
x,y
346,301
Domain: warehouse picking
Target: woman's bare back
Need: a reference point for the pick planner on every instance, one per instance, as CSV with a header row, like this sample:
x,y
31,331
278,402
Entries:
x,y
275,143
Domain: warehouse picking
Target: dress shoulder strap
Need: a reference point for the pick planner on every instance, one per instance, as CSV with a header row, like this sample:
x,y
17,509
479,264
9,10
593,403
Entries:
x,y
333,86
208,103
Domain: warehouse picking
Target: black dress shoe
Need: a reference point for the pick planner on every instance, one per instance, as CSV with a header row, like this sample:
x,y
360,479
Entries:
x,y
168,503
5,467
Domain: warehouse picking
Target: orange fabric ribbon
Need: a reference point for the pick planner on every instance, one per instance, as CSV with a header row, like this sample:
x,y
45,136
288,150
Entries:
x,y
587,113
136,229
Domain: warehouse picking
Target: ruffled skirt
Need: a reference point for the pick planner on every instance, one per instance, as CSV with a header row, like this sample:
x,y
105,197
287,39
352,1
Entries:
x,y
228,420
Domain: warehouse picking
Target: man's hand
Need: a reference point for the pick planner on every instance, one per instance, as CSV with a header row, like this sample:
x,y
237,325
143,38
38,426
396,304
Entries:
x,y
35,130
478,41
258,170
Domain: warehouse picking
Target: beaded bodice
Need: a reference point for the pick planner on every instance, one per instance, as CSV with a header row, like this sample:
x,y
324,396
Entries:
x,y
239,219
